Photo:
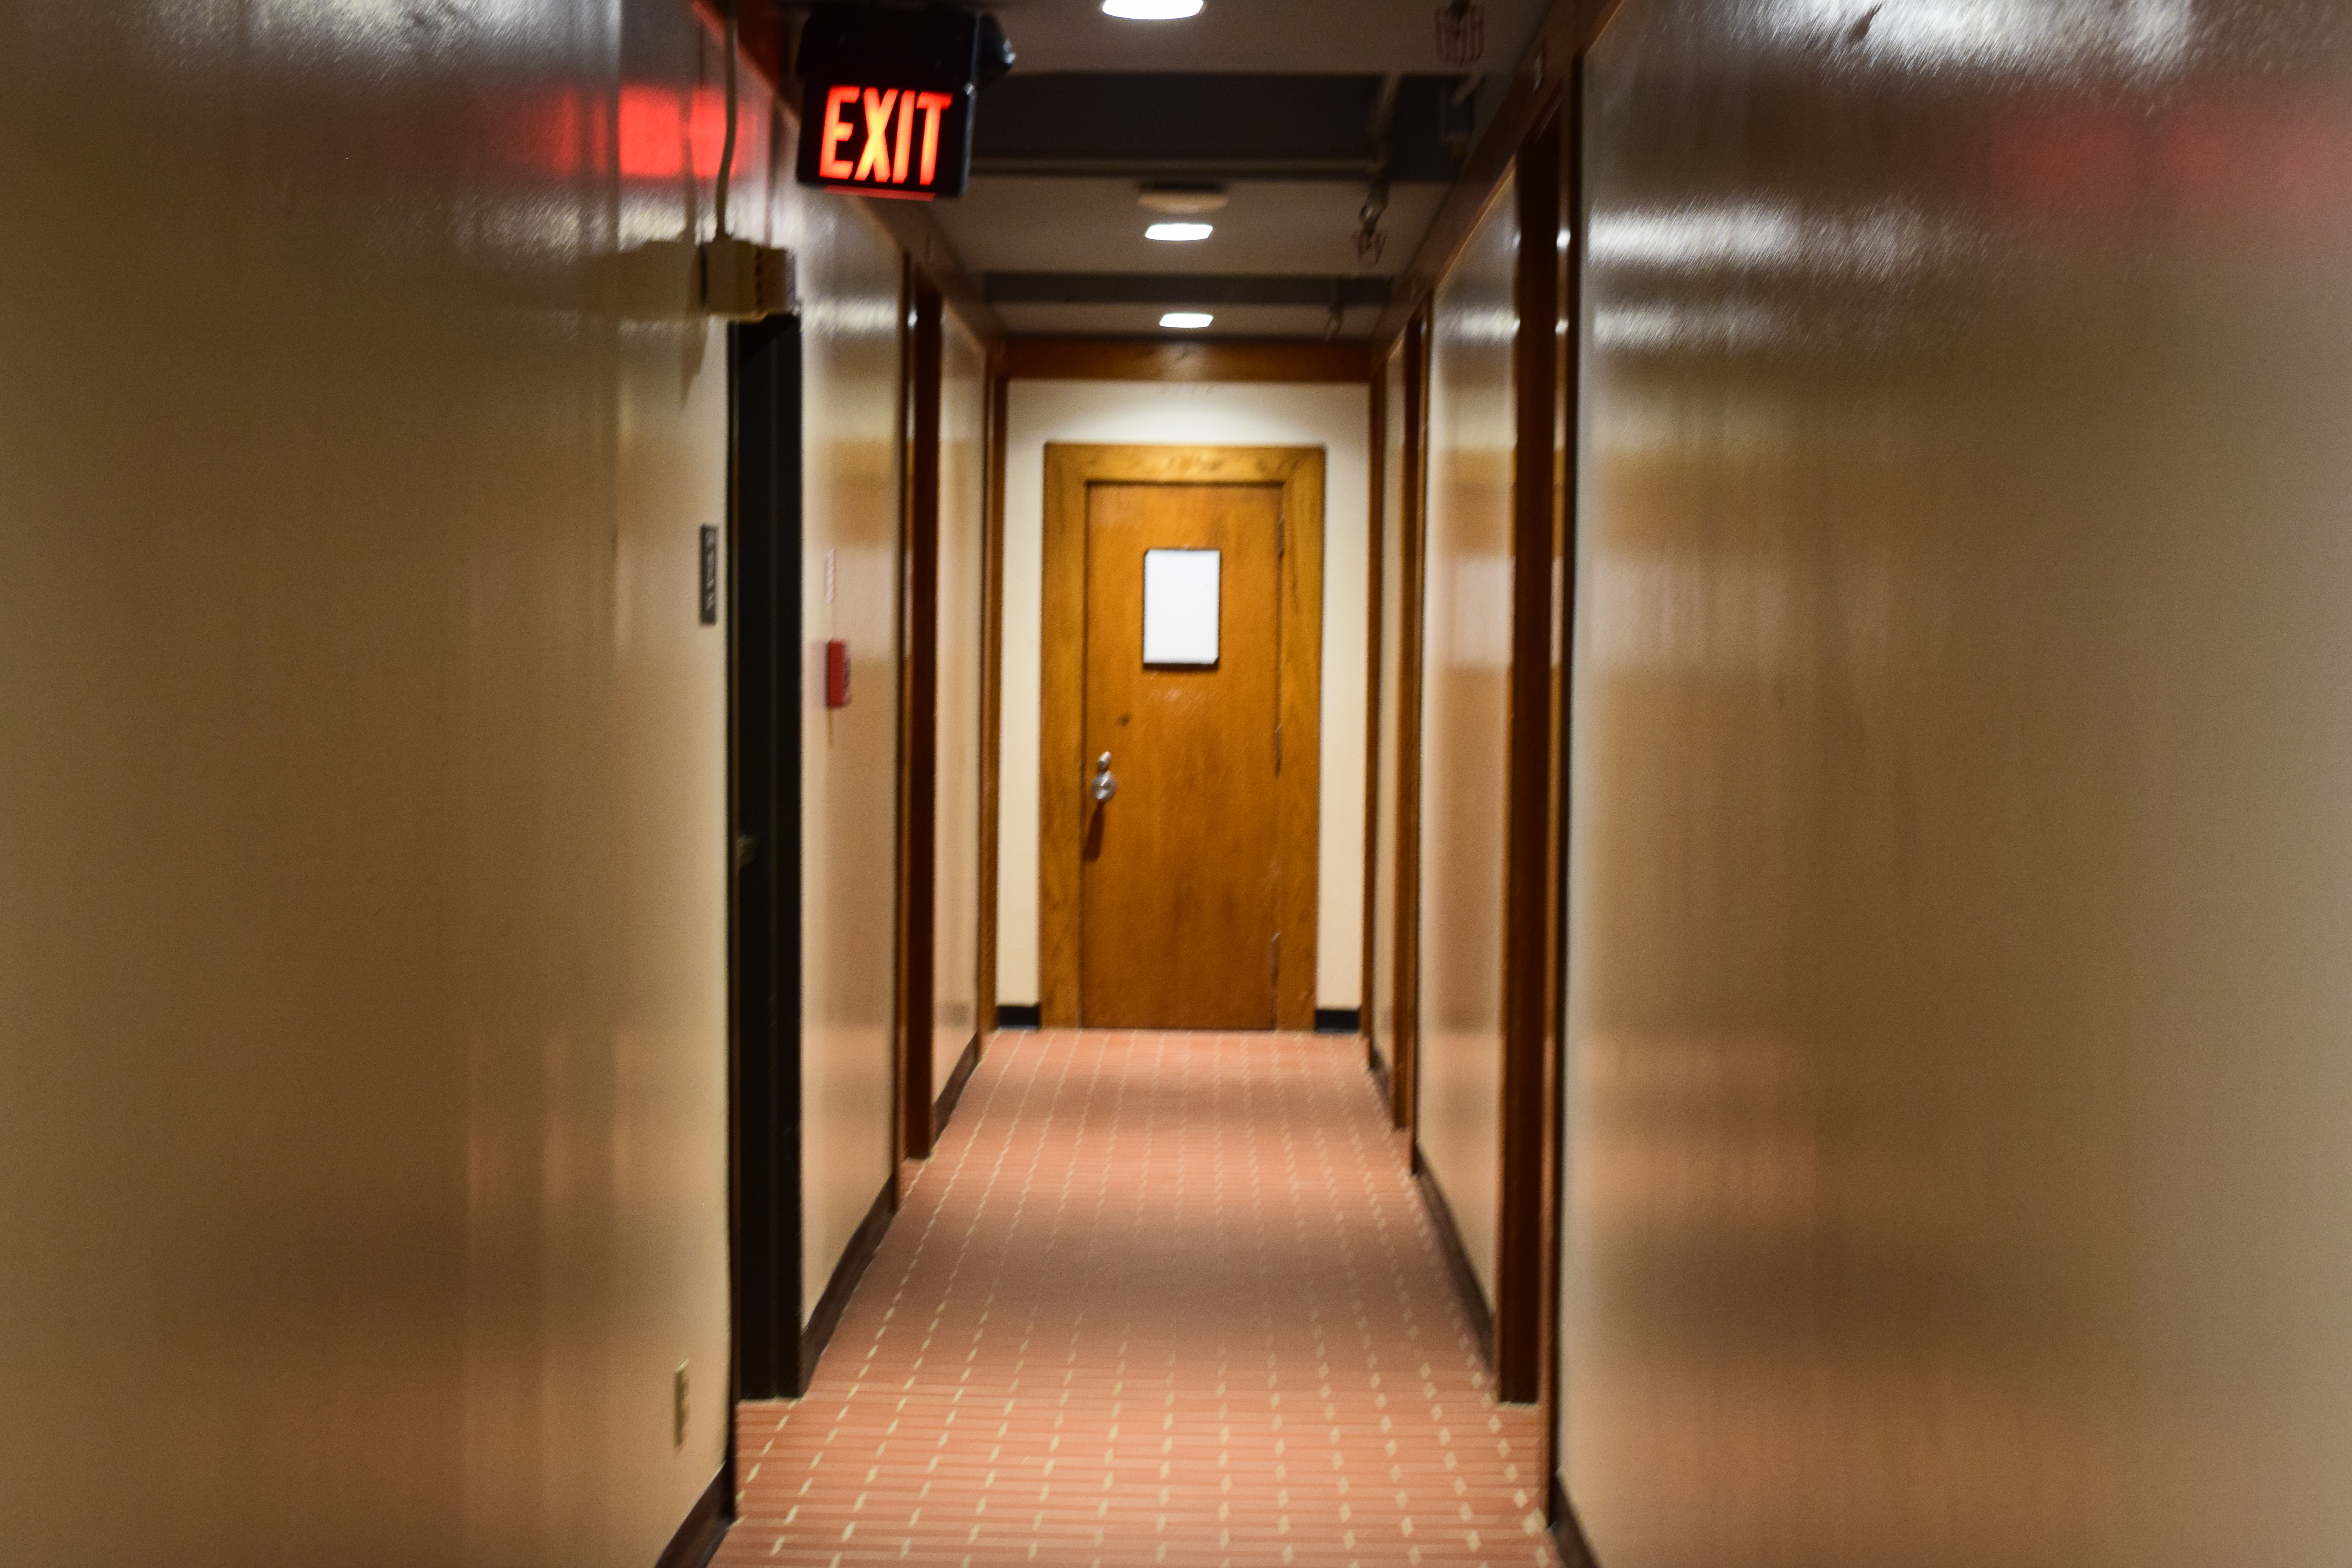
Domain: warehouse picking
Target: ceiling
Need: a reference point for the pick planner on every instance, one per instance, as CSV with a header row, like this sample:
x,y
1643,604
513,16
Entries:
x,y
1039,224
1358,36
1292,108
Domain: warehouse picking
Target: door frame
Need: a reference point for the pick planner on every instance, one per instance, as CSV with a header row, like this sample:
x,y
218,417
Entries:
x,y
1534,818
1404,875
918,715
1070,468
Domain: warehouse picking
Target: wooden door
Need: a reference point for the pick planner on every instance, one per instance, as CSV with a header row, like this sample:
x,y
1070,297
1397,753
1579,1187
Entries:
x,y
764,629
1180,885
1140,866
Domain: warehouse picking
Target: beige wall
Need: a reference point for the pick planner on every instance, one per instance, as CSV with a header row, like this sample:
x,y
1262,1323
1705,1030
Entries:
x,y
963,464
851,451
1961,860
362,803
1466,713
1336,418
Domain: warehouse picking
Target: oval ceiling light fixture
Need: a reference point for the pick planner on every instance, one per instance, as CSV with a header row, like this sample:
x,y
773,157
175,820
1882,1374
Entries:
x,y
1187,321
1151,10
1183,200
1180,232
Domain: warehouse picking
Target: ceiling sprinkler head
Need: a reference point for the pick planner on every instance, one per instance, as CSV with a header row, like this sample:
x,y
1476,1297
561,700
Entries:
x,y
1185,201
1461,32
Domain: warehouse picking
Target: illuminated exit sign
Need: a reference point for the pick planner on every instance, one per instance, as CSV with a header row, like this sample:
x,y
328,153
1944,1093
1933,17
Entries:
x,y
886,97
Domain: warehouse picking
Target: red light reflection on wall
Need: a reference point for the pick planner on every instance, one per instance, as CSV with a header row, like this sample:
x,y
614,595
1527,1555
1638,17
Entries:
x,y
2248,161
2269,165
662,130
2061,161
650,133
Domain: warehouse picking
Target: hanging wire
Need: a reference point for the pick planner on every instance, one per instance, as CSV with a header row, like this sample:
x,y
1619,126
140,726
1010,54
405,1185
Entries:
x,y
727,148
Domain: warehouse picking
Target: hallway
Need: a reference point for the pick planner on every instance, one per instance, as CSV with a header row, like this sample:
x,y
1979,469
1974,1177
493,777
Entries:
x,y
1156,1299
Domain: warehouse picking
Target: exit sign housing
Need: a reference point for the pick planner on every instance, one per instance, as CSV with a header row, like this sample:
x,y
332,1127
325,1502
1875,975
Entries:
x,y
886,99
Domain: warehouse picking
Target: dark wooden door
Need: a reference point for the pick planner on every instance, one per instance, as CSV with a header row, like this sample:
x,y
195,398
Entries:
x,y
763,622
1179,905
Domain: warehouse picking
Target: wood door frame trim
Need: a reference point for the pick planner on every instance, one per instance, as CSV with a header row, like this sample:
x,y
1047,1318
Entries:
x,y
1567,389
991,700
1531,818
919,737
1374,571
1070,467
1405,938
1167,360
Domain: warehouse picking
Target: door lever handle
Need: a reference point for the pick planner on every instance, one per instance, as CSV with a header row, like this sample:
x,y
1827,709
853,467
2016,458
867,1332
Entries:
x,y
1106,784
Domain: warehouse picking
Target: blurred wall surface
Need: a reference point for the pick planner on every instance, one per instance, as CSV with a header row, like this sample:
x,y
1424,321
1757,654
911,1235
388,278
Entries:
x,y
853,482
1465,724
363,775
1960,1043
963,474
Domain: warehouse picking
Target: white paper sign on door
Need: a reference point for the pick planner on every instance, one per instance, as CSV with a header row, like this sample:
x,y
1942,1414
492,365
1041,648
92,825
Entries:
x,y
1179,606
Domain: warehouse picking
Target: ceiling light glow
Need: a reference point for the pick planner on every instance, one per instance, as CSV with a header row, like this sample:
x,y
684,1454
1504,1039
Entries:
x,y
1187,321
1151,10
1179,231
1183,201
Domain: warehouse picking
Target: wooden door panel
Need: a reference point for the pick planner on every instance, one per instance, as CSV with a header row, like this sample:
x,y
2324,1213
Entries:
x,y
1065,811
1180,880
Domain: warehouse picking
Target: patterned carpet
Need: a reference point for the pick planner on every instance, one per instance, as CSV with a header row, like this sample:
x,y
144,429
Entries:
x,y
1158,1299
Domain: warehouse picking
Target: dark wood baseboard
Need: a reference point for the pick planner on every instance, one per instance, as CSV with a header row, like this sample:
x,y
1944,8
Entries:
x,y
705,1527
953,1090
845,1276
1457,1257
1339,1020
1568,1530
1020,1015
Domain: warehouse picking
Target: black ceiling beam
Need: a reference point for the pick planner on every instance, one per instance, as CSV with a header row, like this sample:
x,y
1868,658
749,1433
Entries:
x,y
1180,289
1057,166
1231,125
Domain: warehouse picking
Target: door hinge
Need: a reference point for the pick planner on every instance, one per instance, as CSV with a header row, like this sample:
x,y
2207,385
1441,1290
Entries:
x,y
1281,536
1277,748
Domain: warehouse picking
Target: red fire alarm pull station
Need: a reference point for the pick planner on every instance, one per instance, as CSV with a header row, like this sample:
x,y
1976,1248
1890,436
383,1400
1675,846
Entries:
x,y
837,674
886,97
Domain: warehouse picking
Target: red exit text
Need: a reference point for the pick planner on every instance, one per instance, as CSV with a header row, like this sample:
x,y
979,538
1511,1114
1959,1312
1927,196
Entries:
x,y
895,133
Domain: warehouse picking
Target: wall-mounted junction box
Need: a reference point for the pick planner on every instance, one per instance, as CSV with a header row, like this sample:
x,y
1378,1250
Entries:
x,y
744,280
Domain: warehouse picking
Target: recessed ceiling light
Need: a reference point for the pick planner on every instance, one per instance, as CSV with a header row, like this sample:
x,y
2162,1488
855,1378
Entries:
x,y
1151,10
1190,321
1179,231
